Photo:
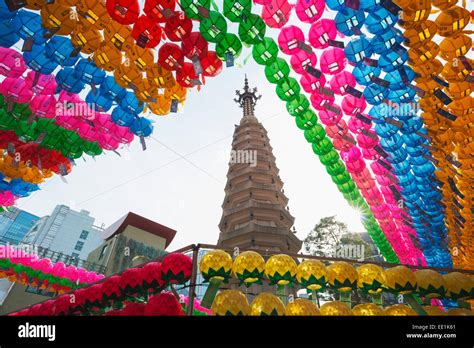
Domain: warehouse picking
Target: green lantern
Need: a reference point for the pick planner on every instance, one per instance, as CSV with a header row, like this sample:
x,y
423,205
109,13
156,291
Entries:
x,y
341,178
191,7
306,120
252,30
314,134
229,44
277,71
265,52
237,10
7,122
330,158
336,168
26,132
347,187
297,106
323,147
288,89
214,27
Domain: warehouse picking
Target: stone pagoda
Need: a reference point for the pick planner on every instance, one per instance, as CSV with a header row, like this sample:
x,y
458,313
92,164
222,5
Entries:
x,y
255,212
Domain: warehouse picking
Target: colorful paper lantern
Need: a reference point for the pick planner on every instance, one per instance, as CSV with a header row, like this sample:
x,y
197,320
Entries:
x,y
342,276
335,308
367,309
280,269
249,267
230,303
216,264
312,275
370,278
265,304
301,307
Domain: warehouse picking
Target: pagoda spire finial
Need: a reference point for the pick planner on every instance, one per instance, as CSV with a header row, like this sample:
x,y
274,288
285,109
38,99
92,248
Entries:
x,y
247,99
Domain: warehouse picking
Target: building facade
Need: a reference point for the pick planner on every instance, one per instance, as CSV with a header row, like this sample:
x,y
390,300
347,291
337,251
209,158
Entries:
x,y
14,225
66,231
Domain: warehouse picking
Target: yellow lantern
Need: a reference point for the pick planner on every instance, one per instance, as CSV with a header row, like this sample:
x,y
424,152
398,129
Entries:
x,y
434,310
216,264
280,269
399,310
400,279
267,304
312,275
367,309
459,312
335,308
248,267
301,306
231,303
458,285
370,278
430,284
342,276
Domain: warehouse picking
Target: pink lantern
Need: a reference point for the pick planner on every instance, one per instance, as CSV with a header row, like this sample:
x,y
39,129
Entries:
x,y
341,144
356,166
103,123
290,39
340,82
122,134
300,61
318,100
43,106
16,89
352,155
309,11
311,83
353,105
321,32
329,117
262,2
11,63
58,269
356,125
45,84
69,122
367,142
87,132
107,142
332,61
370,154
276,13
337,131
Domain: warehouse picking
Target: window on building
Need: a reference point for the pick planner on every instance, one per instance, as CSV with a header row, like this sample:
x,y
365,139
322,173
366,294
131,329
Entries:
x,y
75,255
84,234
79,246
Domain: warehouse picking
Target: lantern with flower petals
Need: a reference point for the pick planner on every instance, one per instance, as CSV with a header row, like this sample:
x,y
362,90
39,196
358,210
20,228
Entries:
x,y
280,269
215,267
170,56
237,10
370,278
434,310
335,308
301,306
458,285
459,312
367,309
301,60
265,52
230,44
230,303
159,10
59,19
312,275
214,27
430,283
164,304
176,268
400,279
277,70
399,310
309,11
178,27
249,267
288,89
194,45
211,65
342,277
265,304
290,39
150,275
321,32
194,9
332,61
147,32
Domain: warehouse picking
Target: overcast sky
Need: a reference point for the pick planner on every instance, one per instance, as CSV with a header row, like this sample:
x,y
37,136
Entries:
x,y
179,180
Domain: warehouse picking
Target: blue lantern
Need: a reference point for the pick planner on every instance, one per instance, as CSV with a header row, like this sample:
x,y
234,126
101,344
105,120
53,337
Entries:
x,y
349,20
358,49
60,49
89,72
38,60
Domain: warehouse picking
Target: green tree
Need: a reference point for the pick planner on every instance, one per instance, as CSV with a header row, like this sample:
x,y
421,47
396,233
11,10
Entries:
x,y
324,238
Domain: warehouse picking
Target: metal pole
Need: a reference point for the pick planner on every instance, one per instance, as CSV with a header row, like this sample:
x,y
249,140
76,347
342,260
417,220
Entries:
x,y
192,284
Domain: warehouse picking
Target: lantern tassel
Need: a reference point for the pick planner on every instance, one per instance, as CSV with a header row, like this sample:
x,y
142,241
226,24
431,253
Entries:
x,y
282,293
345,298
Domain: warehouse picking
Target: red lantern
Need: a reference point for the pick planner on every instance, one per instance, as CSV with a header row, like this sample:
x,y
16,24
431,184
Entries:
x,y
163,304
312,83
176,268
147,32
194,45
123,11
318,100
159,10
186,75
170,56
301,60
130,280
277,13
178,27
133,309
211,64
353,105
340,82
111,287
150,275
